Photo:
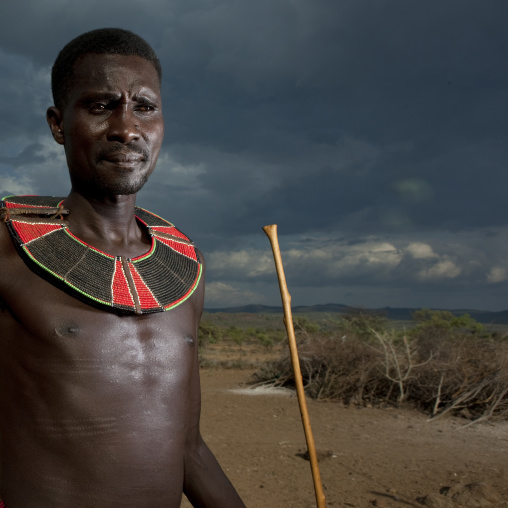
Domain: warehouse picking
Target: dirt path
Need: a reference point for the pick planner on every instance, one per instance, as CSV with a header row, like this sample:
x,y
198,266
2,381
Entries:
x,y
378,457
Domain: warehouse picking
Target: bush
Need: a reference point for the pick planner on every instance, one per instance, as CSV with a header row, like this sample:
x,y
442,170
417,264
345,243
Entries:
x,y
445,364
208,333
237,335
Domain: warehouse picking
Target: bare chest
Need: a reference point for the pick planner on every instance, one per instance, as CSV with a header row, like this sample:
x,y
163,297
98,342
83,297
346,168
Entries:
x,y
64,352
69,344
88,394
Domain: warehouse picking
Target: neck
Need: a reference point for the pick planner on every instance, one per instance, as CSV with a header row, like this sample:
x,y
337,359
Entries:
x,y
107,223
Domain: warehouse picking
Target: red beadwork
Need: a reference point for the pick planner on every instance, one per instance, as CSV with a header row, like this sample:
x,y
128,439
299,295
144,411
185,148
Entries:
x,y
28,232
9,204
121,291
182,248
169,231
155,281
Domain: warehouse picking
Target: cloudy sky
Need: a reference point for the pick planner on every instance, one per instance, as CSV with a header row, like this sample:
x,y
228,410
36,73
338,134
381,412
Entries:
x,y
374,133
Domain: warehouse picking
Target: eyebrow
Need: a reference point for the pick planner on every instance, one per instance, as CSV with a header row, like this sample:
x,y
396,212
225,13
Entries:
x,y
112,97
99,96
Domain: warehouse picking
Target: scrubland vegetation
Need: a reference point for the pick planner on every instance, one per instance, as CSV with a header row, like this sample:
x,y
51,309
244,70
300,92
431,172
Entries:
x,y
440,363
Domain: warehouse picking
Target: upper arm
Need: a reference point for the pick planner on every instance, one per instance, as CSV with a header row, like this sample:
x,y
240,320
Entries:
x,y
6,249
193,434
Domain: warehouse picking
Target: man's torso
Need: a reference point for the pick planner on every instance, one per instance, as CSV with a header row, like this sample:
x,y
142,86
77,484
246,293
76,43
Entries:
x,y
93,406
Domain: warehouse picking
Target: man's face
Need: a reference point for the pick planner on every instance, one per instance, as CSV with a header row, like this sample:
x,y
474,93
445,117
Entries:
x,y
112,125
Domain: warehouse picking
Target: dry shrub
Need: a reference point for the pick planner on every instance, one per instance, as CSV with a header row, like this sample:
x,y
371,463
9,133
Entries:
x,y
468,375
332,369
455,372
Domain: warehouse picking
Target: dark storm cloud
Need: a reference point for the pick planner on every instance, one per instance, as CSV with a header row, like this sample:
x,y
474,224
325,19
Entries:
x,y
421,85
375,124
30,154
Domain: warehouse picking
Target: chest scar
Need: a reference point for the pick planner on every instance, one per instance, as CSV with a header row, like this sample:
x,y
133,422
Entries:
x,y
67,331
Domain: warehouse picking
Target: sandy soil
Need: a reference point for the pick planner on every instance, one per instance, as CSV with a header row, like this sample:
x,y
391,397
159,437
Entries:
x,y
371,457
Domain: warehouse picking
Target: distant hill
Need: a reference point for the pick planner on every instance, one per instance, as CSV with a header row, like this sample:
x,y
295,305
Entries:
x,y
397,314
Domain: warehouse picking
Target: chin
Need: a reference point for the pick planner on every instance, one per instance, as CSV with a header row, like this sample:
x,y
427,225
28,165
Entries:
x,y
113,187
123,189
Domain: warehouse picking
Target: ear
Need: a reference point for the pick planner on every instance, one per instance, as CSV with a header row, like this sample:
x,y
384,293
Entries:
x,y
55,122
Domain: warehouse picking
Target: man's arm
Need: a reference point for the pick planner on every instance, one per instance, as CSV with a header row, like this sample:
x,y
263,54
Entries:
x,y
205,484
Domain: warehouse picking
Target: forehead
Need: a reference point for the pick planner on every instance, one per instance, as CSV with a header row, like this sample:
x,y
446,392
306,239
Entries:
x,y
110,72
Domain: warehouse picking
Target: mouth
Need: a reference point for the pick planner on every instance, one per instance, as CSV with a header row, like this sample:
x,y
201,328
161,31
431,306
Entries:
x,y
125,160
123,156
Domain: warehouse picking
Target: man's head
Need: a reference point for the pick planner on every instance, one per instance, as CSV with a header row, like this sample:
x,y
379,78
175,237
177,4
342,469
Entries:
x,y
111,41
108,115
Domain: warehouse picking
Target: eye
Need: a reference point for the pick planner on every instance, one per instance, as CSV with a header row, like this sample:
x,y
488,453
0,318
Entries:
x,y
97,108
145,107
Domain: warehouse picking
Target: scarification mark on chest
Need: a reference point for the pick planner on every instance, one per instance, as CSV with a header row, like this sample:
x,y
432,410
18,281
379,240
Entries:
x,y
59,427
67,331
73,366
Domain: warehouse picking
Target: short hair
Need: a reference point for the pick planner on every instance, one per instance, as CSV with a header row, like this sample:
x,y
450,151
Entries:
x,y
112,41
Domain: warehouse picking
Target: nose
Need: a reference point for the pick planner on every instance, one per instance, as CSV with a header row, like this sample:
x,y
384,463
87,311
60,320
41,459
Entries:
x,y
123,125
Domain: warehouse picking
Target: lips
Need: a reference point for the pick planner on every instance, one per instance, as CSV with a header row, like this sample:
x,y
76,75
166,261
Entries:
x,y
124,157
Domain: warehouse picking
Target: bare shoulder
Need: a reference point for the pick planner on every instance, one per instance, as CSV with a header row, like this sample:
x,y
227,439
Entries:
x,y
7,249
14,273
4,234
9,261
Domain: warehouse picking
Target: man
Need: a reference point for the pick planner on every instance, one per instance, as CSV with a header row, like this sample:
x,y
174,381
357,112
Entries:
x,y
100,305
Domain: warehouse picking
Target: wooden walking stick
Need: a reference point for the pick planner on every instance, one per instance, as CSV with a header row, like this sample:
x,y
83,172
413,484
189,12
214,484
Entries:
x,y
271,232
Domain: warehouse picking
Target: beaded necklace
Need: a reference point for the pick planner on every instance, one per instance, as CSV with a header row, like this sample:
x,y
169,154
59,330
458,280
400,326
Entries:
x,y
156,281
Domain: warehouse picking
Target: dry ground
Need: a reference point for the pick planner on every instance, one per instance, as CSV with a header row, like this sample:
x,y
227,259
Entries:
x,y
373,457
